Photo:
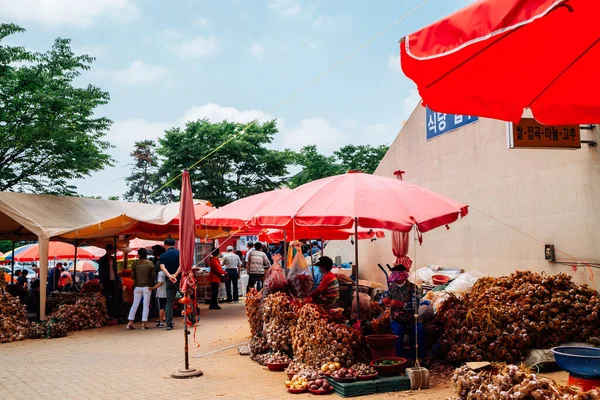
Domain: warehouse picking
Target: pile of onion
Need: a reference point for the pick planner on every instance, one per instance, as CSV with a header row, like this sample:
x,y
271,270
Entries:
x,y
501,319
508,382
279,318
13,319
254,312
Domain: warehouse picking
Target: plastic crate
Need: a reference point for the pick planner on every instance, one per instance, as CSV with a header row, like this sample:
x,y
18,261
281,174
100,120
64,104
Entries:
x,y
392,384
351,389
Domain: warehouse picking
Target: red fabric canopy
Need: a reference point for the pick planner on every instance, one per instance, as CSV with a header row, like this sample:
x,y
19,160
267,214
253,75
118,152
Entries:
x,y
200,210
377,202
187,231
305,232
240,212
56,250
494,58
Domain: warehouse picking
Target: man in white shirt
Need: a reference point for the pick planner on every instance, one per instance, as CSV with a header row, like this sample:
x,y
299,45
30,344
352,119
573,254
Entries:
x,y
256,265
250,247
232,265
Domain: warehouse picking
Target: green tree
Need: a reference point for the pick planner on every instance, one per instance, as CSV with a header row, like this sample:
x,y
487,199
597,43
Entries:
x,y
317,166
49,133
360,158
314,166
144,175
242,167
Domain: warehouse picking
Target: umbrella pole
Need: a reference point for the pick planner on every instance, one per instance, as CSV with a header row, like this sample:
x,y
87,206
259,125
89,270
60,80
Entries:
x,y
12,262
284,250
75,266
185,335
356,263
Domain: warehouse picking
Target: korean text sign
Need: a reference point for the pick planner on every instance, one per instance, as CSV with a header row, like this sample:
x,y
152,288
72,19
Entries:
x,y
529,133
440,123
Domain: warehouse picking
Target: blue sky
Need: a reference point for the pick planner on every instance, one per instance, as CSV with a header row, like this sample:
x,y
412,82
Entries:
x,y
165,62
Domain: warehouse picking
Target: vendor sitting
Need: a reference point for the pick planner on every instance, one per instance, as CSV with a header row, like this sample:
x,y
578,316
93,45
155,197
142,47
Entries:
x,y
405,298
328,292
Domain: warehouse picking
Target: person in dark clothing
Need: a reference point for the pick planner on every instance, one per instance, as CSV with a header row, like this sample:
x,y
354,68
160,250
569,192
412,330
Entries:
x,y
157,251
22,279
33,299
54,278
169,265
109,277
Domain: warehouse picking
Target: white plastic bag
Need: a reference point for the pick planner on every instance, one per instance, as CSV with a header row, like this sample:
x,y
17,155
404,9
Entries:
x,y
464,282
424,276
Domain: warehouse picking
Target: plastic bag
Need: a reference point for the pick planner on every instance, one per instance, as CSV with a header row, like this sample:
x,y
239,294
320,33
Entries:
x,y
299,277
464,283
274,281
365,305
424,275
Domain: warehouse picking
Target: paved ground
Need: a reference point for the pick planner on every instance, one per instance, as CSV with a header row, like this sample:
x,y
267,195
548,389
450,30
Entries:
x,y
112,363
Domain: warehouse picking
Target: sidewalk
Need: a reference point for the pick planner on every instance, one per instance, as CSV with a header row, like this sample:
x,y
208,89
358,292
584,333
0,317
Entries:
x,y
113,363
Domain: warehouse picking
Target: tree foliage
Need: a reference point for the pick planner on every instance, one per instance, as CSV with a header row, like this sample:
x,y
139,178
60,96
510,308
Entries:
x,y
144,178
317,166
242,167
48,131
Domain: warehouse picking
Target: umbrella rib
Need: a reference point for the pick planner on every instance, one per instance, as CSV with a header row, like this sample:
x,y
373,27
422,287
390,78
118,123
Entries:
x,y
557,77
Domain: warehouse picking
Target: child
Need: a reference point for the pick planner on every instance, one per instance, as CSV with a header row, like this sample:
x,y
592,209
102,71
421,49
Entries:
x,y
161,295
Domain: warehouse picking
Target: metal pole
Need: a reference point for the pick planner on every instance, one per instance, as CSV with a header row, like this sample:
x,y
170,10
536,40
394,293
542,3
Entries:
x,y
115,271
75,266
185,334
12,262
284,250
356,263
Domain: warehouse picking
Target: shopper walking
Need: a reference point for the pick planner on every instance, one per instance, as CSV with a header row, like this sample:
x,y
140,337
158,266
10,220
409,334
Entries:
x,y
169,265
232,265
142,273
215,278
257,263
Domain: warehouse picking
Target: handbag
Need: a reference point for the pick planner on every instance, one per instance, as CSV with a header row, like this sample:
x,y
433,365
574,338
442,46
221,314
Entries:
x,y
224,278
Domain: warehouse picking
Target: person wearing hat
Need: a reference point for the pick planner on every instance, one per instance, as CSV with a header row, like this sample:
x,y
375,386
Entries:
x,y
405,297
327,293
232,265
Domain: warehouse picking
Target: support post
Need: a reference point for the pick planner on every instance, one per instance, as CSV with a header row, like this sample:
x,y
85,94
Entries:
x,y
356,263
44,244
12,263
74,284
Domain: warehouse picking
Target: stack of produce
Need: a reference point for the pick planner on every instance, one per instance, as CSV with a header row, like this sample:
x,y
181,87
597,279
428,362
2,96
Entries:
x,y
382,324
363,369
254,313
500,319
57,299
13,319
279,317
301,285
258,346
320,385
297,383
512,382
89,311
316,340
50,328
92,286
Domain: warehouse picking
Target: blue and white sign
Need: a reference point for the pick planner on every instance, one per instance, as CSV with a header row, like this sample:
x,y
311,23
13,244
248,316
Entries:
x,y
440,123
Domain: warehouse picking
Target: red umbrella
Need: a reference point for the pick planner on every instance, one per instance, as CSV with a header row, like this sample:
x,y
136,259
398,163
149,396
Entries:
x,y
495,58
187,235
57,250
240,212
373,201
276,235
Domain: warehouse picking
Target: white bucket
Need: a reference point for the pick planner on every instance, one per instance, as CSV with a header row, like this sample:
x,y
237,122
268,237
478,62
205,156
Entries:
x,y
244,279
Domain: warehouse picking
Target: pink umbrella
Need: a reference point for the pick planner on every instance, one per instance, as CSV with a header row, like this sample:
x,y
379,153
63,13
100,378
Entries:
x,y
240,212
370,201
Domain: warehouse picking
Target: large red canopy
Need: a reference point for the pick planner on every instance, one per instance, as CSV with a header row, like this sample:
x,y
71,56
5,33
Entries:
x,y
374,201
494,58
305,232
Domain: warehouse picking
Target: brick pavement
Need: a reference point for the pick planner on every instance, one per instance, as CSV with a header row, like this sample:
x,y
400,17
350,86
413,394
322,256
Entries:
x,y
113,363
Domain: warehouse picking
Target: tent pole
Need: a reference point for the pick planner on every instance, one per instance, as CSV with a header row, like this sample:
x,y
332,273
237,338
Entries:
x,y
115,270
284,250
75,266
356,263
44,244
12,262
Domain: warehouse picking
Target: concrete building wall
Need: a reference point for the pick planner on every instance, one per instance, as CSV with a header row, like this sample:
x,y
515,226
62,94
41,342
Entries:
x,y
550,195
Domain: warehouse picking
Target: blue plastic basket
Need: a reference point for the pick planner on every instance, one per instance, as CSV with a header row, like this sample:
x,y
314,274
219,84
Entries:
x,y
583,362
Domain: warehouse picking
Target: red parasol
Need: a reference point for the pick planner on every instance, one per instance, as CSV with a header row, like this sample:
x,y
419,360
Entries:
x,y
276,235
374,201
187,235
240,212
56,250
495,58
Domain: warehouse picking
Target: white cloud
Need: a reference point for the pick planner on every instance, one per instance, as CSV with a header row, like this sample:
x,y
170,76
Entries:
x,y
140,73
412,99
317,131
257,50
217,113
348,123
329,22
79,13
286,7
97,51
394,62
201,22
199,46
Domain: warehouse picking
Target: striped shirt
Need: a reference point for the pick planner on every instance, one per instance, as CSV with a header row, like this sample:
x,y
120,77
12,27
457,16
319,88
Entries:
x,y
329,286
